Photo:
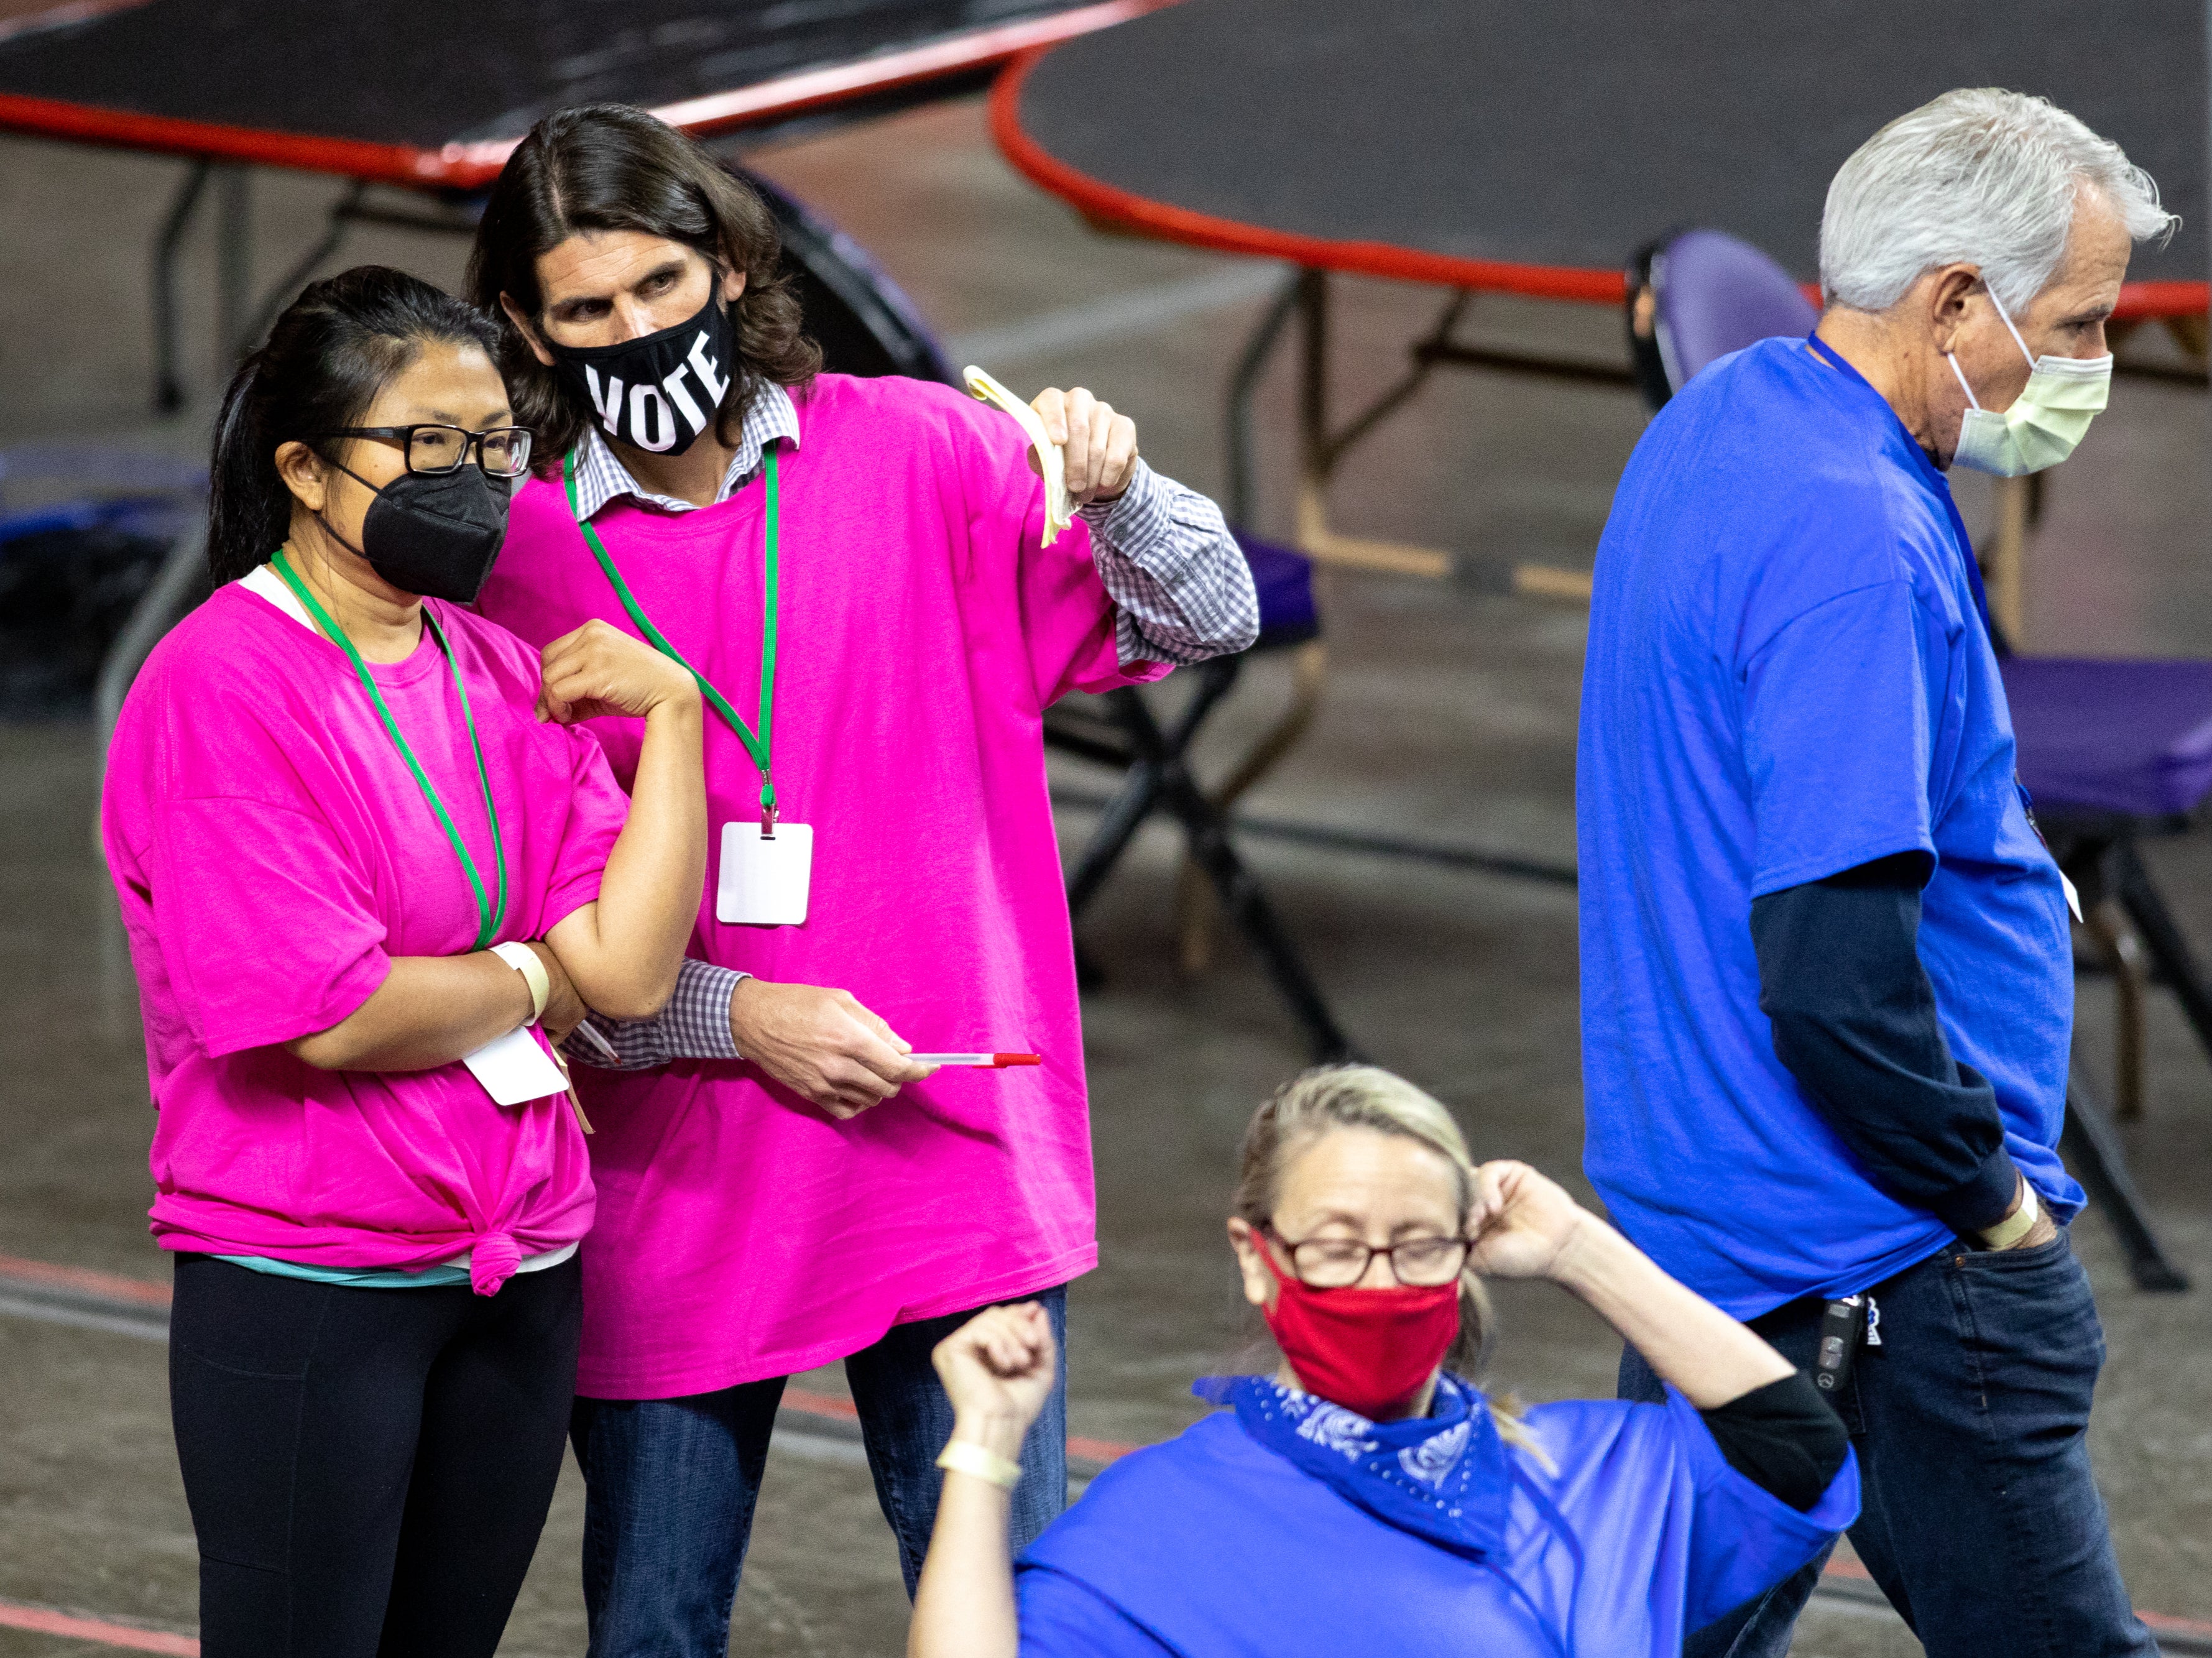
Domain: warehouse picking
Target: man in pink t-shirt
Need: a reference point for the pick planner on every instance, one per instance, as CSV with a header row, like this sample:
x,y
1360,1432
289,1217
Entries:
x,y
783,1187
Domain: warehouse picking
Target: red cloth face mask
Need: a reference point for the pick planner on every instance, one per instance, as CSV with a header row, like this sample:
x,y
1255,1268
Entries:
x,y
1368,1350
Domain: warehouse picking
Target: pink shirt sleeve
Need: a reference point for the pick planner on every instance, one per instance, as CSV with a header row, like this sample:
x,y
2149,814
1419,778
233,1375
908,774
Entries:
x,y
1066,614
597,811
268,927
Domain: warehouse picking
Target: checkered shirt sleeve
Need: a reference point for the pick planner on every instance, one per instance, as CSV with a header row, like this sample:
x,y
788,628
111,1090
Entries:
x,y
695,1025
1181,588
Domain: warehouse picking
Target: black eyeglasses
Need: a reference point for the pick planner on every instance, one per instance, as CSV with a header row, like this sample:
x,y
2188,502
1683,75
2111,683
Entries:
x,y
1340,1263
502,452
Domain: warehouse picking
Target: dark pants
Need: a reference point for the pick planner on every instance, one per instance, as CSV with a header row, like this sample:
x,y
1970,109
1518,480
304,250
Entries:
x,y
368,1470
671,1485
1980,1521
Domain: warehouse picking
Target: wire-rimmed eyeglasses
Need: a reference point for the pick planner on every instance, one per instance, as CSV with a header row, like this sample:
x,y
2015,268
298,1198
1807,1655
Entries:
x,y
503,452
1340,1263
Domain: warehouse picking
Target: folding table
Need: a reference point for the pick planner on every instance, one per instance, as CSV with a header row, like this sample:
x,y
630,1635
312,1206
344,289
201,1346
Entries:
x,y
1487,146
431,97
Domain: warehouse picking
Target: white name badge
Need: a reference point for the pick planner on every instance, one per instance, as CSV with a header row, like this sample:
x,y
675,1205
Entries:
x,y
764,883
515,1069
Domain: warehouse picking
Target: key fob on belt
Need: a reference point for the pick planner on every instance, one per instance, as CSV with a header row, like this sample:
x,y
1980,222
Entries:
x,y
1839,1340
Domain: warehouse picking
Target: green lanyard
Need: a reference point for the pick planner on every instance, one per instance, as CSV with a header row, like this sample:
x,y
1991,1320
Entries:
x,y
757,747
488,913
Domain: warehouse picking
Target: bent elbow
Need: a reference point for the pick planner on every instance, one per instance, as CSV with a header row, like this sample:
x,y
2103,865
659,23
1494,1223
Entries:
x,y
635,999
326,1050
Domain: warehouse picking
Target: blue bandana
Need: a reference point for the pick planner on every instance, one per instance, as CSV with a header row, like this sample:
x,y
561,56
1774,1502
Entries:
x,y
1444,1477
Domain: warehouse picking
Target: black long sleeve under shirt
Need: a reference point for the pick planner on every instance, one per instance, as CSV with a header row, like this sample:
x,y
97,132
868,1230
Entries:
x,y
1854,1019
1783,1438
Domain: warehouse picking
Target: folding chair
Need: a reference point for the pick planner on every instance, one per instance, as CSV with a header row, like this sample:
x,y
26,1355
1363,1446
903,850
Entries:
x,y
2110,751
1121,730
2114,753
77,567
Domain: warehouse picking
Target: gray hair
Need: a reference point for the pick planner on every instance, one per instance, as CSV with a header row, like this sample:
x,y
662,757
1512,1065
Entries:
x,y
1981,176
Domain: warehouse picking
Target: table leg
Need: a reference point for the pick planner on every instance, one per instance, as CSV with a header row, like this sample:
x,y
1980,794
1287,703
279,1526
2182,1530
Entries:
x,y
2100,1162
1320,450
1318,453
168,381
334,233
1193,906
234,267
2106,921
1242,384
2162,936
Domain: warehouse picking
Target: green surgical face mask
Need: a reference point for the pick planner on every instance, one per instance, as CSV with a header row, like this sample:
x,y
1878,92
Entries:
x,y
2044,423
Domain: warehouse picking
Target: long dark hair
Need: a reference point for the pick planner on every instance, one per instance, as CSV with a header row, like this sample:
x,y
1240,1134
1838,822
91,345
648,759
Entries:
x,y
328,357
610,166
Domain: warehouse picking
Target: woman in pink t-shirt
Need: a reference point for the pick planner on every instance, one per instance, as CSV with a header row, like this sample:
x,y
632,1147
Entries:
x,y
362,854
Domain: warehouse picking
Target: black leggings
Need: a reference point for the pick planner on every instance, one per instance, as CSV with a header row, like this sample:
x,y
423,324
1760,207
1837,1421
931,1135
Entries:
x,y
368,1470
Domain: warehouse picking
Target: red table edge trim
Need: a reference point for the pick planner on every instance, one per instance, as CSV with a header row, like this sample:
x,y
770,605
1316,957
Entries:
x,y
1113,205
467,165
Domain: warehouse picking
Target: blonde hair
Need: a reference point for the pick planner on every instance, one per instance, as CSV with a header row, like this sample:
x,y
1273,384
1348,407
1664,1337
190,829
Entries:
x,y
1331,1097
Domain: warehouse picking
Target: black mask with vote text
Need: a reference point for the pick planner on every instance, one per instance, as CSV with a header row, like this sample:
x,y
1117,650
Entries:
x,y
658,392
433,534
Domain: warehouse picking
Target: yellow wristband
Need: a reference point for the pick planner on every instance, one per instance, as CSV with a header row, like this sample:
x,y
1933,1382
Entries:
x,y
524,960
2016,1225
960,1457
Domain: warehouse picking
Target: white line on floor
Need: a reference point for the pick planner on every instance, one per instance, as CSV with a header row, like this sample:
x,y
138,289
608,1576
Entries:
x,y
149,1326
1142,312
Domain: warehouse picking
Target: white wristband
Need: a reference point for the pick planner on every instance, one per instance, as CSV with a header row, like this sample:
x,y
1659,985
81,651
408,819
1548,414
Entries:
x,y
959,1457
2016,1225
524,960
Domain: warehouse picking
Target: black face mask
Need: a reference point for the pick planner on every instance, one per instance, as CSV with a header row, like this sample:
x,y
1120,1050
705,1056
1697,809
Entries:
x,y
433,534
658,392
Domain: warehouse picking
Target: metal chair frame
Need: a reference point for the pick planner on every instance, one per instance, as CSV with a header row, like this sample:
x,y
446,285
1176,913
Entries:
x,y
1155,760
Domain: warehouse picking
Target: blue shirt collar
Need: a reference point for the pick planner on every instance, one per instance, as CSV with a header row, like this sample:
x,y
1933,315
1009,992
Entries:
x,y
1937,483
1443,1477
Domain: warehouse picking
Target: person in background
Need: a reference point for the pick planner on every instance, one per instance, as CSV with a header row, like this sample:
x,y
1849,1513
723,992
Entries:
x,y
361,849
1827,983
788,1189
1368,1498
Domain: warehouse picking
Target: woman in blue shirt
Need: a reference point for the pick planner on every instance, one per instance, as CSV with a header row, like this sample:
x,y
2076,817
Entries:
x,y
1368,1498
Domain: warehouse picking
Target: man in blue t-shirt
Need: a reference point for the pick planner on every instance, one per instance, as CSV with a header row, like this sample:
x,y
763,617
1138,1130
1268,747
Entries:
x,y
1827,986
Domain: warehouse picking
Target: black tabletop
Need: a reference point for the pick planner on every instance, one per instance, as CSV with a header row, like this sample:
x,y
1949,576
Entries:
x,y
1563,136
424,74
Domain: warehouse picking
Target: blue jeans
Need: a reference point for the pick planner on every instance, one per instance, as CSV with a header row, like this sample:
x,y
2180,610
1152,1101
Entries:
x,y
670,1486
1980,1521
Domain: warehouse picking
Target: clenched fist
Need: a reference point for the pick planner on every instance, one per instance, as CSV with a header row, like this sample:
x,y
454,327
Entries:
x,y
600,670
1098,447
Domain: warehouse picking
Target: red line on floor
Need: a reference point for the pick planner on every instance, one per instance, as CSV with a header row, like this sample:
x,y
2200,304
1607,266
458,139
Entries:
x,y
113,1286
1098,1450
45,1620
829,1405
821,1404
